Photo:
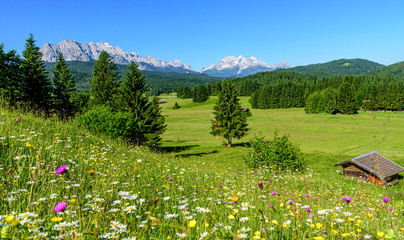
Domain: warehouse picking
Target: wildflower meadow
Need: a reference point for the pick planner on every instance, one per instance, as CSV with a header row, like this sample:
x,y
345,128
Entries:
x,y
59,181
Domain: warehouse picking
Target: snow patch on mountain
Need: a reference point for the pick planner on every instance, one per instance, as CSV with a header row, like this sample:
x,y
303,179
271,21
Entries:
x,y
240,66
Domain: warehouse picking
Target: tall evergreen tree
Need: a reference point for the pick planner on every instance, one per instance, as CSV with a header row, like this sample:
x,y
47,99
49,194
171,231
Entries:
x,y
200,94
346,99
155,125
229,121
36,86
64,86
10,84
104,82
147,117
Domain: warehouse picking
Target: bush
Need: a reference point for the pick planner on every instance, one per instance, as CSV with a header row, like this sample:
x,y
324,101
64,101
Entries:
x,y
278,153
176,106
113,124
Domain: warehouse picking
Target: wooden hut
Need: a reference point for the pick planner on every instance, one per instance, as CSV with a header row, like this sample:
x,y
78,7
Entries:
x,y
374,168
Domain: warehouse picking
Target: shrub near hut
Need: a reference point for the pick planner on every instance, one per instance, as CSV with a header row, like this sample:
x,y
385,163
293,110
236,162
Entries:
x,y
277,153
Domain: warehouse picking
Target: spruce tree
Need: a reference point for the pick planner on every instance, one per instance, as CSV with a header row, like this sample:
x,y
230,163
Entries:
x,y
147,117
104,82
36,86
228,122
346,99
155,125
64,86
200,94
10,84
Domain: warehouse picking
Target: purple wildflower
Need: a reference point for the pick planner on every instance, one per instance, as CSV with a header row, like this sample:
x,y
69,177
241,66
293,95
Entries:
x,y
386,199
347,199
260,185
60,207
171,179
61,169
273,193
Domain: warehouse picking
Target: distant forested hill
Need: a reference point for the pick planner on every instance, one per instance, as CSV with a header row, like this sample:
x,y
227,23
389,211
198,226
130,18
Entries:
x,y
159,82
396,70
339,67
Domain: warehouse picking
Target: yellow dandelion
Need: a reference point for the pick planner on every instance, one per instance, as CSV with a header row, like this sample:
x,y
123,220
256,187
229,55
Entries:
x,y
231,217
15,222
235,211
192,223
319,238
380,234
9,218
234,198
90,171
56,219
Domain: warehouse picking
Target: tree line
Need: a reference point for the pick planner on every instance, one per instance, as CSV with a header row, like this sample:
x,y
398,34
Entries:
x,y
117,107
335,94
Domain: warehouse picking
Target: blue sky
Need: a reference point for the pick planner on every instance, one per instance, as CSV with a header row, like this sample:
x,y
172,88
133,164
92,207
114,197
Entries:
x,y
200,33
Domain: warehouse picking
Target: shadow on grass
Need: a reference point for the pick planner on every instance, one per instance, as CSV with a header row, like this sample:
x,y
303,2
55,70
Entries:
x,y
242,144
171,149
195,154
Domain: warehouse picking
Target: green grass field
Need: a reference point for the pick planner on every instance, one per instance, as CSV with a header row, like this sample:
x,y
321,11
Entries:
x,y
325,139
113,190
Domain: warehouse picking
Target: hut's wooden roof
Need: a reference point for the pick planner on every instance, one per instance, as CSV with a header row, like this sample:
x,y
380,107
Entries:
x,y
376,164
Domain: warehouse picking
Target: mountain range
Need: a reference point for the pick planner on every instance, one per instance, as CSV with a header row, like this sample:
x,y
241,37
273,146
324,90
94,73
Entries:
x,y
228,67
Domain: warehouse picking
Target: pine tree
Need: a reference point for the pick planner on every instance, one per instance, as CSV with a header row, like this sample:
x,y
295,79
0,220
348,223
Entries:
x,y
228,122
64,86
155,125
200,94
346,99
10,84
36,86
147,117
104,82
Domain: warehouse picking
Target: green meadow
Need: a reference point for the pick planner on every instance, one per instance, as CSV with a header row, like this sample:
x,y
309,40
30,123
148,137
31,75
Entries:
x,y
60,181
325,139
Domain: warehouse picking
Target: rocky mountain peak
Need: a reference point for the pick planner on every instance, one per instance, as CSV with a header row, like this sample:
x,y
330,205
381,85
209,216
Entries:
x,y
74,51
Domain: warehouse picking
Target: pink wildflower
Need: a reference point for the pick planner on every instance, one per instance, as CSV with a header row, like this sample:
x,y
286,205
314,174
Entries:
x,y
60,207
61,169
